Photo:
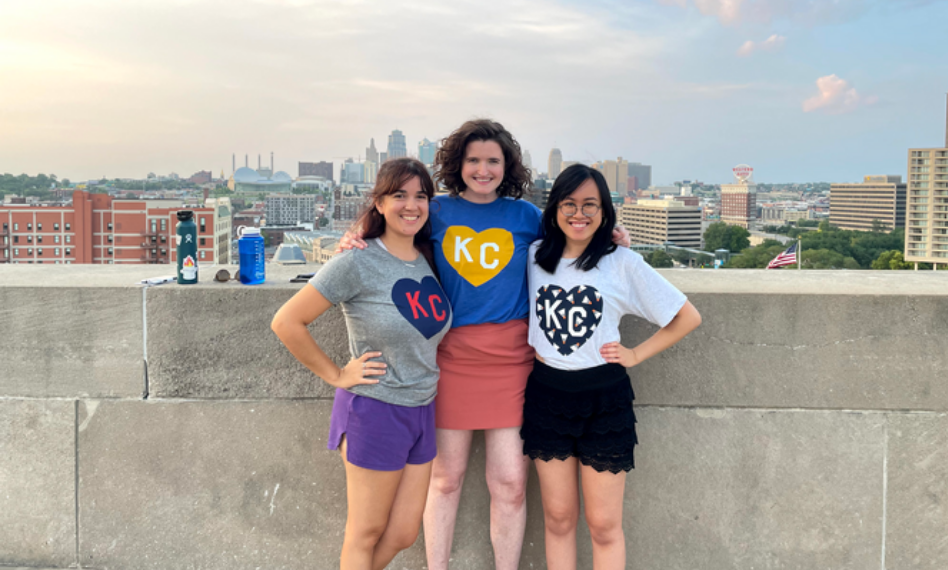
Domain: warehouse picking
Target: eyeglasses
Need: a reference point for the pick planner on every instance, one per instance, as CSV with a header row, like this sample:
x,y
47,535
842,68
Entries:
x,y
589,210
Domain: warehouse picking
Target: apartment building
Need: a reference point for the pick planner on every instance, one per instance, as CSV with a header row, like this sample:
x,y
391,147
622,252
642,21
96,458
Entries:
x,y
857,206
96,228
926,232
662,221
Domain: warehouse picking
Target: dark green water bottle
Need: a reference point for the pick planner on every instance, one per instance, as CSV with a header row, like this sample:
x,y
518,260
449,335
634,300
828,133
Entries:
x,y
186,236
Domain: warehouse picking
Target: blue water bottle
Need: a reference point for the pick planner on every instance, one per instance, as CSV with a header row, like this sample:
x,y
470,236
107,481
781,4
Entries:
x,y
250,247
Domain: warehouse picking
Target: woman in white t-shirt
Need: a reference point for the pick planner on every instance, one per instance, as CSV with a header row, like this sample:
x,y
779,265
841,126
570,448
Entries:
x,y
579,426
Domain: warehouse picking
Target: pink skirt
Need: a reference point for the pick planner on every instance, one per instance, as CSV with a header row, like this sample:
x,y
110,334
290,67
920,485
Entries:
x,y
484,371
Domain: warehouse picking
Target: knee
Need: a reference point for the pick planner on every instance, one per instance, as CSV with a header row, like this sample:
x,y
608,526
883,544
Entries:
x,y
560,522
364,536
604,530
446,481
402,538
509,488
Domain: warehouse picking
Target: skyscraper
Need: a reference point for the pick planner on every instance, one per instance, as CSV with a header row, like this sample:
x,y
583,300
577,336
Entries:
x,y
397,148
615,173
554,164
642,174
371,162
739,200
528,160
856,206
426,152
926,232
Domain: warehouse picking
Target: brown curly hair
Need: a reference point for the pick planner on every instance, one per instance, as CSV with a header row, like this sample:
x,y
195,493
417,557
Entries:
x,y
449,158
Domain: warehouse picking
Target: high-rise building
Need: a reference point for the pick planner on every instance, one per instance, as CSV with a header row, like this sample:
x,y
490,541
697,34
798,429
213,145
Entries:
x,y
290,209
857,206
371,162
739,200
397,148
528,160
426,152
371,153
616,174
926,232
96,228
353,173
322,168
661,221
554,164
642,174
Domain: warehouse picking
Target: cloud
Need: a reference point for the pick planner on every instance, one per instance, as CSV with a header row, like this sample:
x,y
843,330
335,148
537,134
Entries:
x,y
809,12
836,97
772,43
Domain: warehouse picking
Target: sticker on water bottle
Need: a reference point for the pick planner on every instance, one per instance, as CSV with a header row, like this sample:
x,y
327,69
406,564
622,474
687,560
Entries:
x,y
189,268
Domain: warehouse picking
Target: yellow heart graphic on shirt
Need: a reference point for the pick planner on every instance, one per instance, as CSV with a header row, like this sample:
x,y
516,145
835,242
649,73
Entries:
x,y
477,256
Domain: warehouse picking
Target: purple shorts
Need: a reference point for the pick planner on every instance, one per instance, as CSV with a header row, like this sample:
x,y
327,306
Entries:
x,y
381,436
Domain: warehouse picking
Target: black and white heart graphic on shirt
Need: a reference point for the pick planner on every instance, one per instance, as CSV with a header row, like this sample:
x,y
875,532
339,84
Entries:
x,y
568,318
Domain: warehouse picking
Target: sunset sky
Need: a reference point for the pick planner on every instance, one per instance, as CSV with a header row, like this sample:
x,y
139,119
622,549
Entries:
x,y
802,90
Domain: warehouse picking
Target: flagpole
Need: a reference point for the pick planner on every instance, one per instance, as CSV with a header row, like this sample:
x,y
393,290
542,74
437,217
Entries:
x,y
799,255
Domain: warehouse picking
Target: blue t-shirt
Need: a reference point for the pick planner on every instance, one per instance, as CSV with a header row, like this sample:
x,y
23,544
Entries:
x,y
481,251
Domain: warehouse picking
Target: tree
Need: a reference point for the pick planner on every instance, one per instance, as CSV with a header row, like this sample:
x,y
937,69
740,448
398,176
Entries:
x,y
757,257
659,258
738,239
715,237
827,259
892,259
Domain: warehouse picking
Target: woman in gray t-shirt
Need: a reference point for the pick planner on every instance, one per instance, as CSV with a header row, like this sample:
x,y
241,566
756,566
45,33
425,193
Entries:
x,y
383,414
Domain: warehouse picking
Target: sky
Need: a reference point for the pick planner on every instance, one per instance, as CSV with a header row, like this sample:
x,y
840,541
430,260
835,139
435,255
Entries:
x,y
801,90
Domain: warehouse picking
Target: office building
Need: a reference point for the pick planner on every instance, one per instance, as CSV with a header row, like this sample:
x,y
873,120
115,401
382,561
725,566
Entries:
x,y
290,209
426,152
554,164
926,232
739,200
353,173
322,169
857,206
616,174
662,221
528,161
642,174
397,148
96,228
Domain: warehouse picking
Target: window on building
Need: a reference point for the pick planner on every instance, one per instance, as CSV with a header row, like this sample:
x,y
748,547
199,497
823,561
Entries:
x,y
39,227
203,221
202,255
39,251
29,239
68,239
109,226
55,239
67,226
202,241
56,226
110,251
29,251
16,239
16,251
39,239
68,251
16,227
153,226
56,251
29,226
110,239
164,225
5,226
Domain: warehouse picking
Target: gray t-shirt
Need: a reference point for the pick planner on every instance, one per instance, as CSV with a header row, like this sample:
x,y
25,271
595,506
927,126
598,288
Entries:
x,y
393,307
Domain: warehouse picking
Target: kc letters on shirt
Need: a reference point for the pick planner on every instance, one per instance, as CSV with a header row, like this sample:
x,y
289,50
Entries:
x,y
574,312
481,254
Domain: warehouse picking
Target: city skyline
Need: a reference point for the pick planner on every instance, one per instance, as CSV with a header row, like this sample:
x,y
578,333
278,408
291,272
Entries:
x,y
802,91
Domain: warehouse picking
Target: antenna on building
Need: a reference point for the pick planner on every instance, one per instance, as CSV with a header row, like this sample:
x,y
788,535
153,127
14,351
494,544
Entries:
x,y
271,162
233,163
258,161
247,161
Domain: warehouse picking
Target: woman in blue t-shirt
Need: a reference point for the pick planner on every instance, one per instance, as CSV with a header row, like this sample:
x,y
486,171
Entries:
x,y
578,422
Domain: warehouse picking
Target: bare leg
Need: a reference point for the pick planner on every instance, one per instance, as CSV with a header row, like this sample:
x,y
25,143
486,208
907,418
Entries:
x,y
603,494
559,489
404,522
444,493
507,481
370,496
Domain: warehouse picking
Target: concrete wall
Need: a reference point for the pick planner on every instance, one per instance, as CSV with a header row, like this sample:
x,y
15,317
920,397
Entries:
x,y
803,425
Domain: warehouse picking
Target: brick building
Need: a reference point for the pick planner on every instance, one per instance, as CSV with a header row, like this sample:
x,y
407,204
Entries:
x,y
97,228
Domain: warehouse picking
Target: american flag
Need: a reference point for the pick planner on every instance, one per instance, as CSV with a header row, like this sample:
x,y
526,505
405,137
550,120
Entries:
x,y
788,257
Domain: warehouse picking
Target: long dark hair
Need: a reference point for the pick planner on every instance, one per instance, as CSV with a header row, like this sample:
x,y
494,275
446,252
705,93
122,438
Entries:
x,y
450,158
392,176
554,240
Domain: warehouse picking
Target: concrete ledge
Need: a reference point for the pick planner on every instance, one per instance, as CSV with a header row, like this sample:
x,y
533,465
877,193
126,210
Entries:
x,y
37,483
71,342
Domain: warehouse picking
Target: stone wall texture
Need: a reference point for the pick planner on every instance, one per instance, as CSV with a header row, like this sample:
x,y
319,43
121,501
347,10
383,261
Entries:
x,y
803,425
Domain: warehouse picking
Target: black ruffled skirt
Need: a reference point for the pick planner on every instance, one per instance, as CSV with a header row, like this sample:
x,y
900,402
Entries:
x,y
580,413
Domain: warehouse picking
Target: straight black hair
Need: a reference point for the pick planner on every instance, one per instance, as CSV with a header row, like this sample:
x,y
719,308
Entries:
x,y
554,240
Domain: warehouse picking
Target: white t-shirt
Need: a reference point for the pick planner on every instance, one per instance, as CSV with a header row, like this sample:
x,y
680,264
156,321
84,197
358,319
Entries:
x,y
574,312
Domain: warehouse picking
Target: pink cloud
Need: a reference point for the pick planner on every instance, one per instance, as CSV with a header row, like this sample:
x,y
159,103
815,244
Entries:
x,y
772,43
836,97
